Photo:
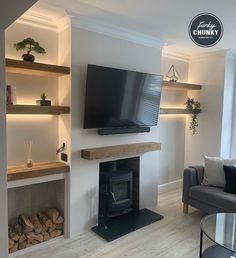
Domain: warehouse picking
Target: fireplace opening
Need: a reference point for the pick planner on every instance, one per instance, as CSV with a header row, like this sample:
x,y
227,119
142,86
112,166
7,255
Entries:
x,y
119,212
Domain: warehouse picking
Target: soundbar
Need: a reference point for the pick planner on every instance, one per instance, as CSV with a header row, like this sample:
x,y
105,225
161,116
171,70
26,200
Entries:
x,y
110,131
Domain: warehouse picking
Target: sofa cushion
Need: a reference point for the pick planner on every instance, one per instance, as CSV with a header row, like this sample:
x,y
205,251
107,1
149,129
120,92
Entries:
x,y
214,196
230,178
214,172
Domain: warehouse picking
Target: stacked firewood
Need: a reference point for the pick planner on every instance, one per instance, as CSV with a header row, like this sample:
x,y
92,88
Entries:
x,y
35,229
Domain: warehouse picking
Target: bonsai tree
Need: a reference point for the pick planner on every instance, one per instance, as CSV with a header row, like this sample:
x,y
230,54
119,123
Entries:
x,y
30,45
194,107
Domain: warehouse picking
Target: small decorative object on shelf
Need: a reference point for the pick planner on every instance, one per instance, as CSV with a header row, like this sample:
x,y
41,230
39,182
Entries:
x,y
194,107
11,95
14,96
28,149
43,101
172,74
32,46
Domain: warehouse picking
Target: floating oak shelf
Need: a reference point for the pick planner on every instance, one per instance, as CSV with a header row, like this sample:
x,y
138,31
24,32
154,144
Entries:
x,y
37,110
181,85
119,150
174,111
38,170
33,68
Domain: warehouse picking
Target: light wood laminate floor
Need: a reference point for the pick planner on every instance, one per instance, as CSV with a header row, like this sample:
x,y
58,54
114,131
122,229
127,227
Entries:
x,y
176,236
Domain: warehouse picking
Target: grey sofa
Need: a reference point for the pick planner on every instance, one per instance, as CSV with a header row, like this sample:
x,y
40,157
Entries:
x,y
205,198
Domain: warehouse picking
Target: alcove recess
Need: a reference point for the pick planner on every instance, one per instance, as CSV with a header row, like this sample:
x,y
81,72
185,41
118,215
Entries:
x,y
31,191
175,91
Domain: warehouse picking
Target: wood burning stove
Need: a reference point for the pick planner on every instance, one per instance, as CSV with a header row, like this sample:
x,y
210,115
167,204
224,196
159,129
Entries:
x,y
115,191
119,211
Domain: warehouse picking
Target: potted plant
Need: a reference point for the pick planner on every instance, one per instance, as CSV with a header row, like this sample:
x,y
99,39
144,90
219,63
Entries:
x,y
31,46
43,101
193,107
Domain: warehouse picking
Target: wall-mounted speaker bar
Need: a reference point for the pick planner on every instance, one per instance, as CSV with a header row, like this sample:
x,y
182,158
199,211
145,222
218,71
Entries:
x,y
110,131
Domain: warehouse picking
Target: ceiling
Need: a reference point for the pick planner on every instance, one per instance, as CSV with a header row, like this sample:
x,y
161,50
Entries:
x,y
166,19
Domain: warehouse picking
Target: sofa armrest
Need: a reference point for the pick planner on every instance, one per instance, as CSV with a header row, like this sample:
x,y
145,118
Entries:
x,y
200,173
192,176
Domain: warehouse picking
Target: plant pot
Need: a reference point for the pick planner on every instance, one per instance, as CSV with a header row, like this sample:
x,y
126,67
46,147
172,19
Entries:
x,y
43,102
28,57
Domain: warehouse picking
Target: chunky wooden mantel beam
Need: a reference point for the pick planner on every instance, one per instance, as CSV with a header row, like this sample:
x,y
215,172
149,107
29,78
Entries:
x,y
119,150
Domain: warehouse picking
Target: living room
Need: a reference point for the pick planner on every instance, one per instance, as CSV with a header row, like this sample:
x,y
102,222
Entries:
x,y
56,158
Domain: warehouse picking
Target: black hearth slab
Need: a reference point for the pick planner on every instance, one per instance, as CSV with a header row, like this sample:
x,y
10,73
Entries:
x,y
127,223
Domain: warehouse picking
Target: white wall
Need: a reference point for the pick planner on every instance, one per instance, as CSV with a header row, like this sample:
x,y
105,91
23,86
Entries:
x,y
48,39
208,71
3,177
10,10
233,130
180,65
65,120
172,136
170,97
89,47
227,133
172,127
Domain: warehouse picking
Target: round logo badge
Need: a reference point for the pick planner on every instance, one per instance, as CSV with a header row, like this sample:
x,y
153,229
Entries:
x,y
205,30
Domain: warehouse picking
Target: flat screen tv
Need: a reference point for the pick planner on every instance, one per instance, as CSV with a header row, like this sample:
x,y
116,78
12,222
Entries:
x,y
118,98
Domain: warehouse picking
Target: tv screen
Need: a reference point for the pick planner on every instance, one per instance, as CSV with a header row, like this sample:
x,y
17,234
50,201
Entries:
x,y
118,98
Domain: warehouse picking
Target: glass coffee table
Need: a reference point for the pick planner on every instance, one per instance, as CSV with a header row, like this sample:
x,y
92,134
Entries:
x,y
220,228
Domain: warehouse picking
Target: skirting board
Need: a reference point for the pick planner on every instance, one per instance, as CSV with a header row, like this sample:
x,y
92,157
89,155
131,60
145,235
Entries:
x,y
171,186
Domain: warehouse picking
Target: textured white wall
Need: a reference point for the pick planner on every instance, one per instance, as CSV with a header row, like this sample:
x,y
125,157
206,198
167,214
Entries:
x,y
88,47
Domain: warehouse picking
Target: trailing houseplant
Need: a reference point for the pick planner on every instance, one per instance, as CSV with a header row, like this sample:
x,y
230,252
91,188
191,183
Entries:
x,y
193,107
30,45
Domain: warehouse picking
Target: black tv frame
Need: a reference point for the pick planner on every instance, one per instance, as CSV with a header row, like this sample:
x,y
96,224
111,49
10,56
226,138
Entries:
x,y
126,129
